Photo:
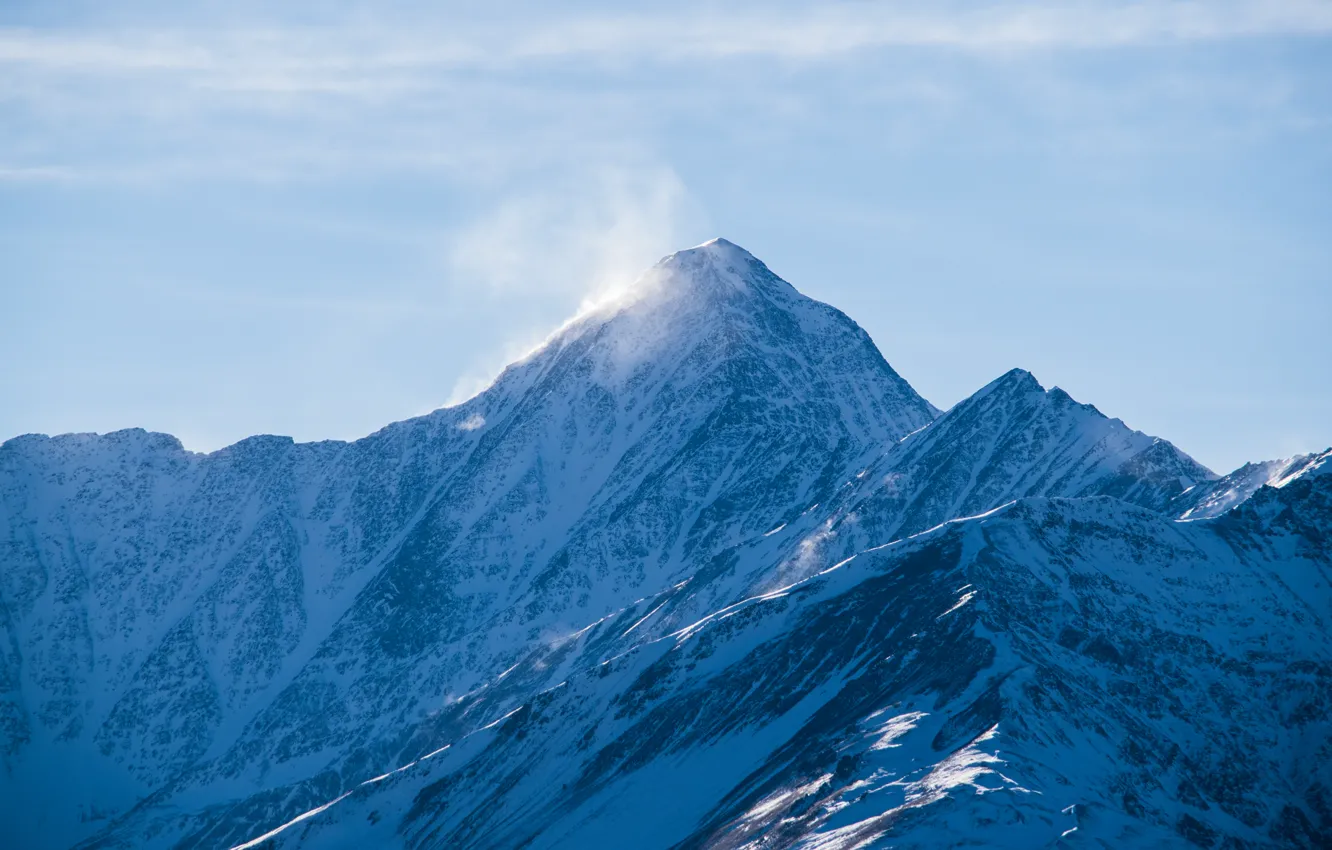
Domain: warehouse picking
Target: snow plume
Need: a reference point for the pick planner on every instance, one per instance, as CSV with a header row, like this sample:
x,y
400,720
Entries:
x,y
807,553
582,239
575,246
896,484
807,560
486,366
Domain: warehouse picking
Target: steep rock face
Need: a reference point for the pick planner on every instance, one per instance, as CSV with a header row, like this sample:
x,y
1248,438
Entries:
x,y
1061,669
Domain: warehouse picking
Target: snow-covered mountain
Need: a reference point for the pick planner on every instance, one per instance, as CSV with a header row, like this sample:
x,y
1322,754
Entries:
x,y
623,547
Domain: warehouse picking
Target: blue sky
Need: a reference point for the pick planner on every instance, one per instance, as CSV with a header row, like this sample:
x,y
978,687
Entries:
x,y
222,220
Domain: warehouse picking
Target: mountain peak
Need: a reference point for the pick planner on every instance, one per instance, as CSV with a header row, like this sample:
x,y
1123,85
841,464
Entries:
x,y
717,272
1013,439
719,244
1018,386
717,248
714,315
1012,381
717,268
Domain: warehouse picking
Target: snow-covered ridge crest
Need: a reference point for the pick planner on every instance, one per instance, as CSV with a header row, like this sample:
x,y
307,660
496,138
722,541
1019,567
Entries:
x,y
1012,439
1211,499
676,274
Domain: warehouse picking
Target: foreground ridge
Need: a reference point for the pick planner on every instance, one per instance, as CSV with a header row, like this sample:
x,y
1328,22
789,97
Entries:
x,y
1005,676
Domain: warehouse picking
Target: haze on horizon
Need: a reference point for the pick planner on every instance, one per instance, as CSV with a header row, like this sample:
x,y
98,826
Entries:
x,y
228,220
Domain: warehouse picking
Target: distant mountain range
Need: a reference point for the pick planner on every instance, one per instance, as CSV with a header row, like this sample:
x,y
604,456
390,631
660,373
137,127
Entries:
x,y
701,571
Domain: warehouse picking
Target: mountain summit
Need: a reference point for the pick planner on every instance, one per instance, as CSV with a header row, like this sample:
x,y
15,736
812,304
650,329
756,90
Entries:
x,y
715,319
702,571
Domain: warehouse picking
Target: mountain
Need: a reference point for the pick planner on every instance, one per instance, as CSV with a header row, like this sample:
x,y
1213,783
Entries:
x,y
637,568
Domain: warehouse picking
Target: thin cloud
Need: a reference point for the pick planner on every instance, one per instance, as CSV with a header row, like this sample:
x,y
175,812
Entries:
x,y
471,99
37,173
353,59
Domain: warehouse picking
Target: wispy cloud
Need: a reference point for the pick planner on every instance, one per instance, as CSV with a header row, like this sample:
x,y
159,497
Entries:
x,y
43,173
463,97
355,57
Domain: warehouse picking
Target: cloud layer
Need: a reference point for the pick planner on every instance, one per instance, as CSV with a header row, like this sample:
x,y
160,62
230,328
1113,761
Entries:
x,y
353,58
480,97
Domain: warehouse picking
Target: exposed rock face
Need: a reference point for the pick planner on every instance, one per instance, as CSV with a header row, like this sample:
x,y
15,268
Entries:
x,y
623,547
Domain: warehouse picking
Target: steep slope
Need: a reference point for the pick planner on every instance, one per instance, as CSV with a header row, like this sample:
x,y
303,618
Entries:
x,y
1068,670
1012,439
272,612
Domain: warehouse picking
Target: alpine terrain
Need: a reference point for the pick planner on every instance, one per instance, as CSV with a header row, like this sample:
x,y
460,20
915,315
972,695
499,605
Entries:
x,y
702,571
